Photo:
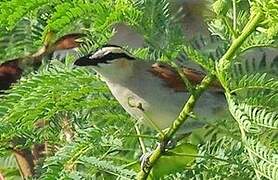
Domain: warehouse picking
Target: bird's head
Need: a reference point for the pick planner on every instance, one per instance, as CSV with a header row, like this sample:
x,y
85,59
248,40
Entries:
x,y
110,61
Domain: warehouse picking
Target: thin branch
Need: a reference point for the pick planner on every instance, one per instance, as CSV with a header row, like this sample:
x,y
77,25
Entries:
x,y
143,174
185,113
187,83
234,16
224,63
140,139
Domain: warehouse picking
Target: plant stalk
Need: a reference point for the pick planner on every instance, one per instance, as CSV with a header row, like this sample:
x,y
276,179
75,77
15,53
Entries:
x,y
185,113
223,65
225,61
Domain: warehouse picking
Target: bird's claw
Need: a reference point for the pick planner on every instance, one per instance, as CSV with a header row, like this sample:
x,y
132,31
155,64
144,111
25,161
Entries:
x,y
145,160
163,146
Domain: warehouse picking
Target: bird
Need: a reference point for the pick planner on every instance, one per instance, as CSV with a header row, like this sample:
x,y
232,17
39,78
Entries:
x,y
12,70
153,92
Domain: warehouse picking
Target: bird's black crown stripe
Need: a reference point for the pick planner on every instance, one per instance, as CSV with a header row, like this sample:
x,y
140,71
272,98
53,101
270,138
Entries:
x,y
110,45
111,56
88,61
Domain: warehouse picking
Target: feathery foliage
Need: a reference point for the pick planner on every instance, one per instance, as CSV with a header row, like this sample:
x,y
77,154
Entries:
x,y
84,131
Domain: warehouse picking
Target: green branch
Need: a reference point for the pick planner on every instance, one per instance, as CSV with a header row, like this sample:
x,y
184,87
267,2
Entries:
x,y
185,113
224,63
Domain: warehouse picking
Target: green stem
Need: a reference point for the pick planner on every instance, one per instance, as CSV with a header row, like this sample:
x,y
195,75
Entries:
x,y
185,113
141,141
187,109
187,83
234,16
224,63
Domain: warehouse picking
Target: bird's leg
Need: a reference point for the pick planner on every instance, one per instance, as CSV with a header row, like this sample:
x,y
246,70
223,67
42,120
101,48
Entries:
x,y
144,159
164,145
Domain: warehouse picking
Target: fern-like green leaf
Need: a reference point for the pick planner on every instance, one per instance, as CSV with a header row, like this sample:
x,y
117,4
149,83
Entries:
x,y
264,160
254,81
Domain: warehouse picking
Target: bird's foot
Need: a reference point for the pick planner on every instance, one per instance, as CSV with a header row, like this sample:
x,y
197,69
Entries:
x,y
164,146
144,159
